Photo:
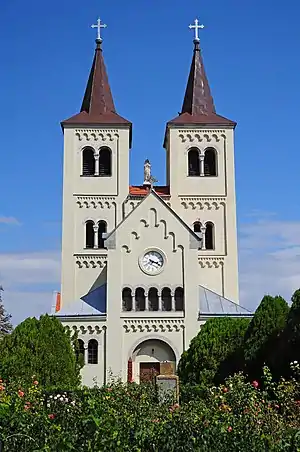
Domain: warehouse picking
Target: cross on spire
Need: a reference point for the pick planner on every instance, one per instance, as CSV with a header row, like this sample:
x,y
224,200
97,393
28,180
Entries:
x,y
196,27
99,25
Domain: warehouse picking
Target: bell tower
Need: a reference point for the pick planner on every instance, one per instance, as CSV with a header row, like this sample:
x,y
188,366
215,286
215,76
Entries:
x,y
97,141
199,145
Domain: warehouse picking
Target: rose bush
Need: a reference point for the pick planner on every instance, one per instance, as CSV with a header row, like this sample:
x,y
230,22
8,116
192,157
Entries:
x,y
236,416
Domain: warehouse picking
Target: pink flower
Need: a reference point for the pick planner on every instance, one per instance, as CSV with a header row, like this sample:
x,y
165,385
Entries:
x,y
255,384
155,420
51,416
20,393
109,389
35,382
225,389
276,406
229,429
1,388
174,407
26,407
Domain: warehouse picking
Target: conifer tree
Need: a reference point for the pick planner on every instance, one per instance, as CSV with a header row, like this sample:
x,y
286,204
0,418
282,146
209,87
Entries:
x,y
214,353
262,335
41,348
290,340
5,323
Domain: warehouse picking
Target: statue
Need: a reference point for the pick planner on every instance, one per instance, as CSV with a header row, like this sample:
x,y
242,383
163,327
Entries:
x,y
147,172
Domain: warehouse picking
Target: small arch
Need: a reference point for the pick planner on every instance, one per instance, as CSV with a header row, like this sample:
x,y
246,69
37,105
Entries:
x,y
89,234
93,352
210,162
105,162
209,236
166,298
197,226
179,299
140,299
88,162
102,229
127,299
80,350
193,162
153,299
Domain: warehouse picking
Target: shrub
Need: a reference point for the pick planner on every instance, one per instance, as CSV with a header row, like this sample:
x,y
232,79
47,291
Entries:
x,y
262,334
42,348
214,353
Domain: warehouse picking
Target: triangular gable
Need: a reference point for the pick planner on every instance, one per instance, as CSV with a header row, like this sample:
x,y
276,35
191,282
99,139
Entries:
x,y
213,304
111,235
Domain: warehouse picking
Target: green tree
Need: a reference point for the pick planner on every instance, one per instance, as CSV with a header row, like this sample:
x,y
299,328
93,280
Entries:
x,y
5,323
289,346
41,348
262,335
215,352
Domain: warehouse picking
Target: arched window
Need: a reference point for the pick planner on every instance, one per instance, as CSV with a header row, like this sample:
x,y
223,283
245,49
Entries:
x,y
210,162
93,352
166,299
153,299
209,236
140,301
127,299
193,162
80,350
197,226
102,229
89,234
105,162
88,162
179,299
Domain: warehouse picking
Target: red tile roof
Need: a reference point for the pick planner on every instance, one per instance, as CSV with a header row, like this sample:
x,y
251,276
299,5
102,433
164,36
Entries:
x,y
142,190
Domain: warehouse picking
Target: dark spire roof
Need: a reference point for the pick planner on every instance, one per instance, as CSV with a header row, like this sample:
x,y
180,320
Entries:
x,y
97,105
98,99
198,105
198,99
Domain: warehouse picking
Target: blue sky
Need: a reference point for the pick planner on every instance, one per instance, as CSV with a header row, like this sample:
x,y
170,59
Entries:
x,y
251,54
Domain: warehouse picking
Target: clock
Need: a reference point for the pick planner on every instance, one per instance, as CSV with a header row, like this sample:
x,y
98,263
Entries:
x,y
152,261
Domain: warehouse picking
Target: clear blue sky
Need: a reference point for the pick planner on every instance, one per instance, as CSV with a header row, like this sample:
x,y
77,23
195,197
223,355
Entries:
x,y
251,54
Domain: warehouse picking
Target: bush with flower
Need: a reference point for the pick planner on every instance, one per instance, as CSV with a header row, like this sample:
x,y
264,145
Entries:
x,y
236,416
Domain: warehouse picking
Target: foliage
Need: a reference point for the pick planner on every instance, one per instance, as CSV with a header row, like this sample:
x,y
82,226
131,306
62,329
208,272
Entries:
x,y
288,348
234,417
263,331
5,322
215,352
42,348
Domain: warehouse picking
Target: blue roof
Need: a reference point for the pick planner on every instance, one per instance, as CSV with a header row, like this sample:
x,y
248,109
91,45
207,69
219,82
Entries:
x,y
93,303
211,303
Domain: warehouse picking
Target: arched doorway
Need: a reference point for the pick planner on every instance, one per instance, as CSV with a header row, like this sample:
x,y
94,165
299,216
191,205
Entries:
x,y
147,358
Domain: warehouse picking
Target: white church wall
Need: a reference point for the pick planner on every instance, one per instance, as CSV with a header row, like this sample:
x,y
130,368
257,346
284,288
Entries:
x,y
90,273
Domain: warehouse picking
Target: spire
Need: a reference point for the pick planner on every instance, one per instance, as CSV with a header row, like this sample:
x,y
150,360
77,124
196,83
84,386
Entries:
x,y
98,106
198,99
98,99
198,105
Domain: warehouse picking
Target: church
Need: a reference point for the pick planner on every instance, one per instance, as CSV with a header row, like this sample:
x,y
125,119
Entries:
x,y
143,267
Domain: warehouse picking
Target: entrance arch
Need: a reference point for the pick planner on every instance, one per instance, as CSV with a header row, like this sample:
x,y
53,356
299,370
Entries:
x,y
147,358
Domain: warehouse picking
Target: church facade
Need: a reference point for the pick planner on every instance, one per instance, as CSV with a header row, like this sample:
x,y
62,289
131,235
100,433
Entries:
x,y
143,267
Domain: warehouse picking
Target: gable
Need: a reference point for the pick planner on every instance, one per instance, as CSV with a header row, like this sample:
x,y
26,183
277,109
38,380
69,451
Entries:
x,y
153,210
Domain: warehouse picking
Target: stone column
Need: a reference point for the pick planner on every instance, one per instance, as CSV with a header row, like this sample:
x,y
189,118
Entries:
x,y
96,156
201,156
202,230
173,301
159,303
95,227
146,301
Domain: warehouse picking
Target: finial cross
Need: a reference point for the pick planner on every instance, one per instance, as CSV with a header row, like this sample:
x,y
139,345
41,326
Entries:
x,y
196,27
99,25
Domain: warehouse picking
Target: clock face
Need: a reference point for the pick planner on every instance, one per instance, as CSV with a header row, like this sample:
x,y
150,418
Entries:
x,y
152,262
